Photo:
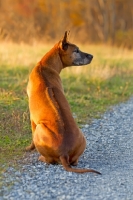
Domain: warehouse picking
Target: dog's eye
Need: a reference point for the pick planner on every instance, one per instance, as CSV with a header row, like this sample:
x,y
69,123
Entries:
x,y
76,50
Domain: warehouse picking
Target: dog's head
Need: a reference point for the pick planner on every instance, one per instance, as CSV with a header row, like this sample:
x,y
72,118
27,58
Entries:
x,y
71,55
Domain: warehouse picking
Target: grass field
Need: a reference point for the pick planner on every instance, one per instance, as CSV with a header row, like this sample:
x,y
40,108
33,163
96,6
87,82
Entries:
x,y
90,89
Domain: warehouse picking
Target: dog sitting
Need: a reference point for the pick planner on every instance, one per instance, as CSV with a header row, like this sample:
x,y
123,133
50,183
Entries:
x,y
55,134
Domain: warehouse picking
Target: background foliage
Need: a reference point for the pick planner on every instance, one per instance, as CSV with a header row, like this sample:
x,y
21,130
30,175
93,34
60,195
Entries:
x,y
90,20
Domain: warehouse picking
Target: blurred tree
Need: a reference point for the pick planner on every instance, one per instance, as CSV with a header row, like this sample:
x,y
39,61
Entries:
x,y
90,20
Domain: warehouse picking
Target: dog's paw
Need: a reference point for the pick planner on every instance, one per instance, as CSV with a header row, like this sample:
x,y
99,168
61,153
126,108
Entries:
x,y
30,147
42,159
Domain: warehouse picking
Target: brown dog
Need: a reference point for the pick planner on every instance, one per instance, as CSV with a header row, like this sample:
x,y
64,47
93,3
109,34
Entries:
x,y
55,133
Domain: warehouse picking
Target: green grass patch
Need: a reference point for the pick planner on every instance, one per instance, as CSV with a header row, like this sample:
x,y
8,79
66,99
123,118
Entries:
x,y
14,118
88,99
90,90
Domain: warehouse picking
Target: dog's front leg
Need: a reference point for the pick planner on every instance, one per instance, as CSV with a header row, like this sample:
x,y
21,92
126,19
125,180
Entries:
x,y
32,145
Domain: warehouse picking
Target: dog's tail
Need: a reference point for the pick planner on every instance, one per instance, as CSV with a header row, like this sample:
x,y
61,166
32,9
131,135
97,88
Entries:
x,y
67,167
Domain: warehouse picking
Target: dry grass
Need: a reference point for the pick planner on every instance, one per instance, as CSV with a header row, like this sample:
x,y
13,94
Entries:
x,y
25,55
22,55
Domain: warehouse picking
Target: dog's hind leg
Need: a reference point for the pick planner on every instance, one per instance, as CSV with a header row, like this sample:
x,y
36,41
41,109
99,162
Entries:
x,y
32,145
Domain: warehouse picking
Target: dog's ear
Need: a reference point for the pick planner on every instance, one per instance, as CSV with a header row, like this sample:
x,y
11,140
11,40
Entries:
x,y
64,41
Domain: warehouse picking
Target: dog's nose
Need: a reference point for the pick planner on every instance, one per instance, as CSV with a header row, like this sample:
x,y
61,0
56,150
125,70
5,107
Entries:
x,y
89,56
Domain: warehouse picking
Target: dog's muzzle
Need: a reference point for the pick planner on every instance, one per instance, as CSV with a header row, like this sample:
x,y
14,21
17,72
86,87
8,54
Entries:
x,y
82,59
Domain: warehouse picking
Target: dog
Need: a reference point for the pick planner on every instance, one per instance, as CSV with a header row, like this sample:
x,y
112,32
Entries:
x,y
56,135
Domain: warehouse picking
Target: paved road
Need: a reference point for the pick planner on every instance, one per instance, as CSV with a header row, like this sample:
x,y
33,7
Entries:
x,y
109,150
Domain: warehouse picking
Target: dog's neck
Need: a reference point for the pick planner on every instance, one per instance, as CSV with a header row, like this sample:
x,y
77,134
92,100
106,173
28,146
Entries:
x,y
51,58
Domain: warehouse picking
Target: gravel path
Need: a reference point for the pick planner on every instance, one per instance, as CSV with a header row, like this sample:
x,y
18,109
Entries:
x,y
109,150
